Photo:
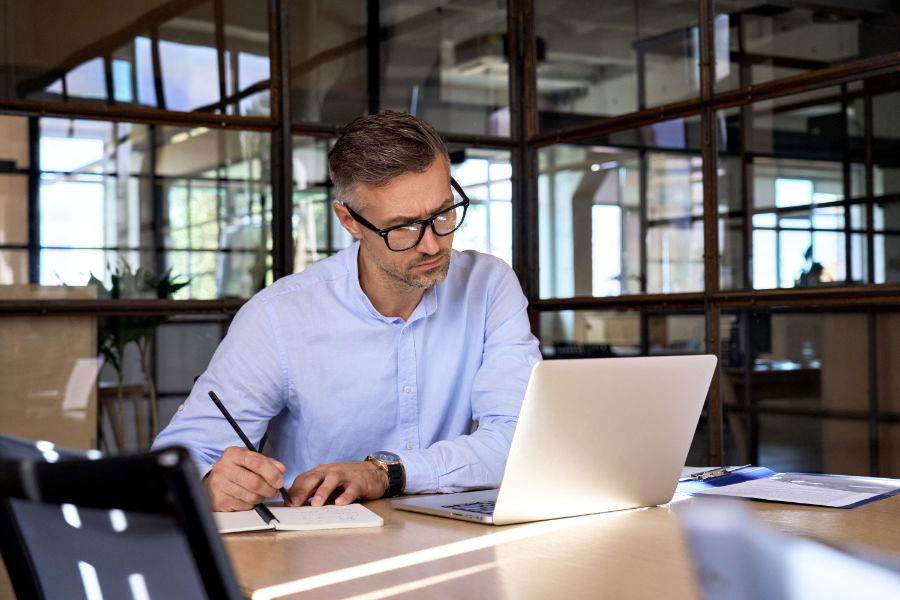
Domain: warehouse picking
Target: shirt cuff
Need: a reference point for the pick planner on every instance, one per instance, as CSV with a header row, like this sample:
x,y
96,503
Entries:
x,y
203,469
421,474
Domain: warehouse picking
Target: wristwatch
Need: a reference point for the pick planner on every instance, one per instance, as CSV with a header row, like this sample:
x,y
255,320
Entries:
x,y
390,463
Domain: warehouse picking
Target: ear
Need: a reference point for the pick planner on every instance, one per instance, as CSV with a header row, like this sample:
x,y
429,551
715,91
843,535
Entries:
x,y
347,222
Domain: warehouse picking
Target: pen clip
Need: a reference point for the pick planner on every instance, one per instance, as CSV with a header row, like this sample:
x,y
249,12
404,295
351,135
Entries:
x,y
718,472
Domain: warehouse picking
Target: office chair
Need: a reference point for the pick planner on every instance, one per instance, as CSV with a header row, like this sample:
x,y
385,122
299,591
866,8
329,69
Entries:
x,y
134,526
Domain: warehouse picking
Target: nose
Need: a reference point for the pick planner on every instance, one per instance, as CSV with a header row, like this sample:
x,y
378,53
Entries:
x,y
429,243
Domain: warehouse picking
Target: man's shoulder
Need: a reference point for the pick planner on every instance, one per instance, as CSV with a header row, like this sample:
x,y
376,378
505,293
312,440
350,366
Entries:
x,y
475,274
316,277
471,263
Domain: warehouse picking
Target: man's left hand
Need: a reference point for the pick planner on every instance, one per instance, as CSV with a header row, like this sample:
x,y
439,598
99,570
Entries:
x,y
353,480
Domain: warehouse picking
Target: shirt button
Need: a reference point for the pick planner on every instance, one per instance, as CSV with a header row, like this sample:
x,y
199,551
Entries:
x,y
410,445
408,389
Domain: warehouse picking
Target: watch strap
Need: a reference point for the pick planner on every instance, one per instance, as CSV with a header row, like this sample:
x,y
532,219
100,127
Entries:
x,y
395,474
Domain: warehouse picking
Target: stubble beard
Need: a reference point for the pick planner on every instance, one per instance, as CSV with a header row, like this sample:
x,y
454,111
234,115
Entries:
x,y
420,280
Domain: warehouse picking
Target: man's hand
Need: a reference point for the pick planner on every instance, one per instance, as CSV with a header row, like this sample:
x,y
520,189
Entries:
x,y
351,480
242,479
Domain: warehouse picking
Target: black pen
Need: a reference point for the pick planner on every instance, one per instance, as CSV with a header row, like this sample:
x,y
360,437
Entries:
x,y
250,447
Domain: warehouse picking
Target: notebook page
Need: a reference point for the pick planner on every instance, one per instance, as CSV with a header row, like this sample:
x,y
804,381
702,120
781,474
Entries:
x,y
245,520
303,518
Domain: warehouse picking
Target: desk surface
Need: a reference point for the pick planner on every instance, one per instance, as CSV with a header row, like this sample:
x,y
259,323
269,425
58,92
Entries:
x,y
630,554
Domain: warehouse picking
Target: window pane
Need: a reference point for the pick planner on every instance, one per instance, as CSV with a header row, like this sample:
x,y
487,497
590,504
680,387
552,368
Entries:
x,y
589,333
445,62
813,445
886,137
485,176
441,61
317,232
179,362
775,40
56,55
798,167
605,59
328,60
102,185
593,238
807,368
676,333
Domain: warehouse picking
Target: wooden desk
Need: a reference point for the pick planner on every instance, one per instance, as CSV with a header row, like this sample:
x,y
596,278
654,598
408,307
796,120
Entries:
x,y
631,554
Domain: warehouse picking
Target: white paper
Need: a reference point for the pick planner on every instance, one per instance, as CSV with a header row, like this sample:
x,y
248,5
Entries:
x,y
305,518
234,522
781,490
299,518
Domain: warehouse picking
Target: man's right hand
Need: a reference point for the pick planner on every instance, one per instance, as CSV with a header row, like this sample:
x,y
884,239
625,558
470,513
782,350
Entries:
x,y
242,479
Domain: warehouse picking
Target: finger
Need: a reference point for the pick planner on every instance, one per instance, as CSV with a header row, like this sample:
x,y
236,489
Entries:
x,y
264,467
350,494
304,485
241,493
252,482
236,504
226,496
324,491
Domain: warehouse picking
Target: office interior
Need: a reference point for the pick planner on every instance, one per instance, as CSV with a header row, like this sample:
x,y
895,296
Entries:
x,y
665,177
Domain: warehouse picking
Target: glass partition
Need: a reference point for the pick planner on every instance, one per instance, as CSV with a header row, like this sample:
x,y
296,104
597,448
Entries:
x,y
142,53
798,164
602,59
442,61
117,197
763,41
622,214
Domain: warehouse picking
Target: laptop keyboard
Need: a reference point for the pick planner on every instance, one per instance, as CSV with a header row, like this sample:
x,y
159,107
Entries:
x,y
484,508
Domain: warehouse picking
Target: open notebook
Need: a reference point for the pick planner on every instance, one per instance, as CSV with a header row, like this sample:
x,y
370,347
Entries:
x,y
299,518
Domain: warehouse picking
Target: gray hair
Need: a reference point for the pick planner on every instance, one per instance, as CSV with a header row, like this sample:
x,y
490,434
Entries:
x,y
376,149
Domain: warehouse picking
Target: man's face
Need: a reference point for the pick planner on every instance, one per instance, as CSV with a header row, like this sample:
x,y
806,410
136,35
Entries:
x,y
407,198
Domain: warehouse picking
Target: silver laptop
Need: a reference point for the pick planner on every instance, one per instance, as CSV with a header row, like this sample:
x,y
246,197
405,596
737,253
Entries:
x,y
594,435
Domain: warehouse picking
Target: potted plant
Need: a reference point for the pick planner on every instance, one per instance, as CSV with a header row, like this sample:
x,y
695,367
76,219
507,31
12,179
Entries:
x,y
115,334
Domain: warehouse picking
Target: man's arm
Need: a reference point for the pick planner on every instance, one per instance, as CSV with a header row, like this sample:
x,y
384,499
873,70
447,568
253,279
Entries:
x,y
247,372
470,461
477,460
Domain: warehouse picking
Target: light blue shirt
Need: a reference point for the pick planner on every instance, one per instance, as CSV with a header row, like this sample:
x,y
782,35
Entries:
x,y
310,358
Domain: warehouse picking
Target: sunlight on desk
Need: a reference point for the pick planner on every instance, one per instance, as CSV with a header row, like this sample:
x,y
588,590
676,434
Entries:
x,y
493,538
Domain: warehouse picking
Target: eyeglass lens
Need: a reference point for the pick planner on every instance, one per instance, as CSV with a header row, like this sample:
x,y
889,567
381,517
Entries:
x,y
445,223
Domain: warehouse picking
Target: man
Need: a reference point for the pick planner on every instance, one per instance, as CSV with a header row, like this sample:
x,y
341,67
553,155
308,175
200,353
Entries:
x,y
370,368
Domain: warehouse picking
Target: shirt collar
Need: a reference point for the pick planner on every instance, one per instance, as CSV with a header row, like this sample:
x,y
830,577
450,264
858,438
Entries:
x,y
427,305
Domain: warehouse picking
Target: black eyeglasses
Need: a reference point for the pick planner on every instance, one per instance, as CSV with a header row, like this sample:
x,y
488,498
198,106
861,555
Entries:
x,y
408,235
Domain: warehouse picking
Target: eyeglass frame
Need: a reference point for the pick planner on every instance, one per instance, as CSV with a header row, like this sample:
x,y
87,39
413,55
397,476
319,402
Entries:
x,y
422,222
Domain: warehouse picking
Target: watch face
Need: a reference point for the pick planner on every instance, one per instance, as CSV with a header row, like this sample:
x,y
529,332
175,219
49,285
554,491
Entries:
x,y
386,457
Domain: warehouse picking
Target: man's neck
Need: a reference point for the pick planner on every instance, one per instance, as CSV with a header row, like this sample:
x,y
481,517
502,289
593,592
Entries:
x,y
390,298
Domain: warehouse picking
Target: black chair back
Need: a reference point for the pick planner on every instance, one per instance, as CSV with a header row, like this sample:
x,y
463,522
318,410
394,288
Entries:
x,y
123,527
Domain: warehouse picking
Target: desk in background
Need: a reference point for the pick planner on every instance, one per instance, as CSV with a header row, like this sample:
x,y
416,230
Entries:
x,y
629,554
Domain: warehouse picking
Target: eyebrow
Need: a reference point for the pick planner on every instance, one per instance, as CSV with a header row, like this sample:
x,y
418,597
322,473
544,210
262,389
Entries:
x,y
407,219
